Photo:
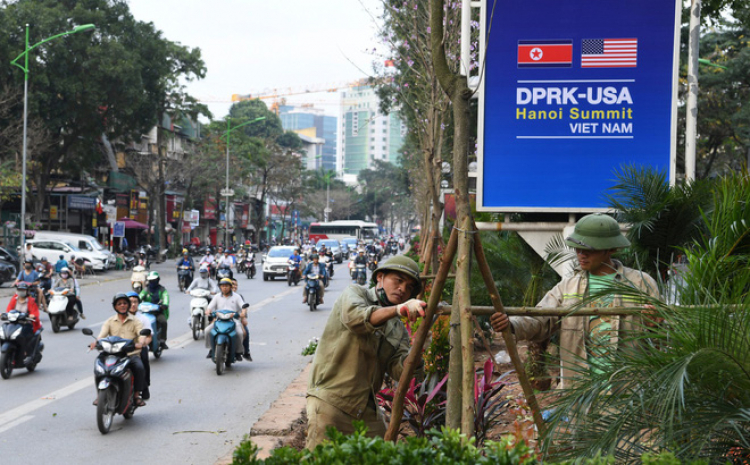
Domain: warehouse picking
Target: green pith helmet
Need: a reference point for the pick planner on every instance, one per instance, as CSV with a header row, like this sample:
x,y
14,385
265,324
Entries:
x,y
597,232
401,264
153,275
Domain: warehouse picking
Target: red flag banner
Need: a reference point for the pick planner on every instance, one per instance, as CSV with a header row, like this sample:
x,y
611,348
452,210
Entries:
x,y
545,53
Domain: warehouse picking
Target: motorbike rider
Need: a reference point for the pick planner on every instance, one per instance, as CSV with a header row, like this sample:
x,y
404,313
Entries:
x,y
227,260
142,259
156,294
67,281
360,259
320,269
207,260
28,274
60,264
186,260
127,326
227,300
135,300
203,281
24,302
243,320
296,258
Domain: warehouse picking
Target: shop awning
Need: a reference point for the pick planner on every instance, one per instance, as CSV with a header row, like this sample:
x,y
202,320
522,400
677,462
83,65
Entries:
x,y
132,224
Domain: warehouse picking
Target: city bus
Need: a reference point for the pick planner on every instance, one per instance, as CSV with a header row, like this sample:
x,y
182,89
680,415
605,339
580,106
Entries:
x,y
343,228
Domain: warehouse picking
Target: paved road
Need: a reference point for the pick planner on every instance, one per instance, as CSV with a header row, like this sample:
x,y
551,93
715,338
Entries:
x,y
193,417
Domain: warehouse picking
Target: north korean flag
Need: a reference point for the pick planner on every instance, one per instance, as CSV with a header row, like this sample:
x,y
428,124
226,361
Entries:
x,y
545,53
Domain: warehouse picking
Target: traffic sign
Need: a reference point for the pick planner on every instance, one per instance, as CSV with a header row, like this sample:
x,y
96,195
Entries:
x,y
118,230
227,192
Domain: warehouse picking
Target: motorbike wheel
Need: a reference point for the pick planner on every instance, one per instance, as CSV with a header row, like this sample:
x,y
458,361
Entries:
x,y
196,327
361,280
221,358
289,280
55,323
6,364
105,409
157,352
72,324
312,301
247,273
252,273
181,284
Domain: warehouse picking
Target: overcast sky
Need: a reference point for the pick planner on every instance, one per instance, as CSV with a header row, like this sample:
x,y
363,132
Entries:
x,y
253,45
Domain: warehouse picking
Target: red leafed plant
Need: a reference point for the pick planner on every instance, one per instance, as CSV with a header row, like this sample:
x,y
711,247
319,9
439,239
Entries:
x,y
422,410
489,406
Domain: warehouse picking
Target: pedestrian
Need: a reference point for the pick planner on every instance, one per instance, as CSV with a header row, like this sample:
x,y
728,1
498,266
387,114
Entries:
x,y
586,341
363,340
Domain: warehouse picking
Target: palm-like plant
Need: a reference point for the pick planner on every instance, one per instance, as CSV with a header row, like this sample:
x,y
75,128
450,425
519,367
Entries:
x,y
683,385
662,218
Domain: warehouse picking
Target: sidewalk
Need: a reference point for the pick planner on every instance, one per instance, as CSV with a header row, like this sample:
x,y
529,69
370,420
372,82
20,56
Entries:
x,y
8,290
280,425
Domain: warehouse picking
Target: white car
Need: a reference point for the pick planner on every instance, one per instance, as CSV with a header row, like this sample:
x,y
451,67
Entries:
x,y
276,260
52,249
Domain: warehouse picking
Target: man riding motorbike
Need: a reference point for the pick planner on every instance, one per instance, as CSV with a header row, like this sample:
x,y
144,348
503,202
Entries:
x,y
317,268
45,271
186,260
126,326
227,300
156,294
203,281
67,281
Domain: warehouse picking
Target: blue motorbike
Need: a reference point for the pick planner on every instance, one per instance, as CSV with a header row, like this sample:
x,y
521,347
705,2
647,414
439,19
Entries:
x,y
151,311
223,336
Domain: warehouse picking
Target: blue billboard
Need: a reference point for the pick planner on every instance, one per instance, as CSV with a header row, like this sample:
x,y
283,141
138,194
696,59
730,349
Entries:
x,y
571,92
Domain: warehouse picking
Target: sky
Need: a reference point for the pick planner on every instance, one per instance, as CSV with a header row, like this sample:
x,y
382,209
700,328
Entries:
x,y
252,46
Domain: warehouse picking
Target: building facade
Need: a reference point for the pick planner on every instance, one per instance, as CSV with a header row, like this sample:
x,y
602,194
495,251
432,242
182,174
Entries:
x,y
366,134
312,123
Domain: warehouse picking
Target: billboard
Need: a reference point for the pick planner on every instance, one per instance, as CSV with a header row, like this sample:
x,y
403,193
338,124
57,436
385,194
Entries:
x,y
571,92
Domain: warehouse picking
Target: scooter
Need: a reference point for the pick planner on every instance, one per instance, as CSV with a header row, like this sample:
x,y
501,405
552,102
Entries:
x,y
150,311
114,379
313,290
224,333
14,334
360,273
249,265
57,307
329,266
293,274
184,277
138,278
372,261
198,305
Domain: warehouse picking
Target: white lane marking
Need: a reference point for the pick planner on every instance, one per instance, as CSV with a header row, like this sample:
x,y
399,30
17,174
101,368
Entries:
x,y
255,307
15,423
15,414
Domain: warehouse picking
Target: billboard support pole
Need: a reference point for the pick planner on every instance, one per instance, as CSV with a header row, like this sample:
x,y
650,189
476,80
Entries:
x,y
691,116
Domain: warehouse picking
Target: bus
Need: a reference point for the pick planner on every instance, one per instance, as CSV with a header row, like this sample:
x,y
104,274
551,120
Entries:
x,y
343,228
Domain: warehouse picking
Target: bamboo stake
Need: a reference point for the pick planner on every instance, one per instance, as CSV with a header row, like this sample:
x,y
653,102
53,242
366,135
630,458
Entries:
x,y
510,340
549,311
463,290
415,354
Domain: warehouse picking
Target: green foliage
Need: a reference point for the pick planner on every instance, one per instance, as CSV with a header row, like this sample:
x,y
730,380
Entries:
x,y
664,219
311,347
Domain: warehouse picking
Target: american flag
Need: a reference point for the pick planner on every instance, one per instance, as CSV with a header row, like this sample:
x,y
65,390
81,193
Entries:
x,y
609,53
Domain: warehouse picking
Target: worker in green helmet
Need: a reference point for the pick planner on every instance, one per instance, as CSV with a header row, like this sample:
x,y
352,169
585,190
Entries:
x,y
363,340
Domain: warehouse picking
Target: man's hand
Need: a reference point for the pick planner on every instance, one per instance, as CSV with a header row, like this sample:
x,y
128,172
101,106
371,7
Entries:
x,y
92,346
412,309
499,322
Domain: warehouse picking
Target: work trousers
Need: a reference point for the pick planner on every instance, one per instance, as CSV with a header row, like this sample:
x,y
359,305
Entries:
x,y
321,414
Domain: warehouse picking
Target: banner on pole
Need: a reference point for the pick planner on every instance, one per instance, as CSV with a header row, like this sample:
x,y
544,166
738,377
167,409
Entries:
x,y
571,92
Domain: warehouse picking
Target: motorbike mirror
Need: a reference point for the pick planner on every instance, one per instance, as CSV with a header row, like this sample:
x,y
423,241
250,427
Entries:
x,y
145,332
87,331
245,306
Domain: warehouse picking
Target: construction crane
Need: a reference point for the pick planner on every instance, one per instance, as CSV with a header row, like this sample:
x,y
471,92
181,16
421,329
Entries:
x,y
278,94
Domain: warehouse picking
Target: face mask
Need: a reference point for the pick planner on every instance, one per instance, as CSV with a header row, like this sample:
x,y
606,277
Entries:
x,y
27,267
153,286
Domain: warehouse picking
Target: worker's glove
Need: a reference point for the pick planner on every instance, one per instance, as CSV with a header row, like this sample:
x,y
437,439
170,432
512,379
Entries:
x,y
412,309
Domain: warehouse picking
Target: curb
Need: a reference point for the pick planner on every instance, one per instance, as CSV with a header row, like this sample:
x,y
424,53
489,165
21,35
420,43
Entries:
x,y
274,427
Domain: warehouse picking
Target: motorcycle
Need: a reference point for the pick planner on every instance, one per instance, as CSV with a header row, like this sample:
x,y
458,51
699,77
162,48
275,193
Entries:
x,y
393,248
198,305
184,277
360,273
293,274
401,245
13,342
57,307
150,311
114,379
329,266
248,263
313,287
372,261
138,278
224,332
128,260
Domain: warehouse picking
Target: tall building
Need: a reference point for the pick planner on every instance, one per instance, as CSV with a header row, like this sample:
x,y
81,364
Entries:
x,y
366,134
310,121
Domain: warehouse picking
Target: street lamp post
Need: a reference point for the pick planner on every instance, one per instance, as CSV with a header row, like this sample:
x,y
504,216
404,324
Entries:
x,y
226,192
25,69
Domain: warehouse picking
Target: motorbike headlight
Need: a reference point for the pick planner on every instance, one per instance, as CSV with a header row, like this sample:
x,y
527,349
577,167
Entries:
x,y
13,316
112,348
